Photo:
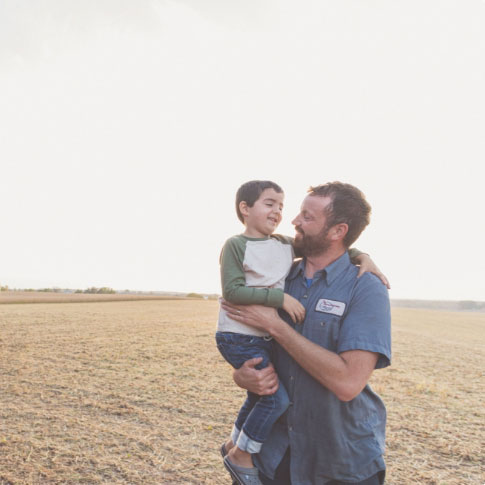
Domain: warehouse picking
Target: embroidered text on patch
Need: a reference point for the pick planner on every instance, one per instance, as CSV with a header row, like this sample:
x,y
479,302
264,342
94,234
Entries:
x,y
330,306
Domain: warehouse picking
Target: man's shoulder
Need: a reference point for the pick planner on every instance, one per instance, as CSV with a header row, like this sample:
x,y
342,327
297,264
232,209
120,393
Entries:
x,y
368,289
369,280
354,286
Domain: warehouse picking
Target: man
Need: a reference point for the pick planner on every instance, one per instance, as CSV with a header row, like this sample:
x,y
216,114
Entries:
x,y
334,429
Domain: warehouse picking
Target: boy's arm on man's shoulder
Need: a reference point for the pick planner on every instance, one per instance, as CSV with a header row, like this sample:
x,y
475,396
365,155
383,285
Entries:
x,y
367,265
354,253
233,279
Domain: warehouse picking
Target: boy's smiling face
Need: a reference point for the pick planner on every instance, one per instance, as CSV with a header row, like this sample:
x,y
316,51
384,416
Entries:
x,y
264,216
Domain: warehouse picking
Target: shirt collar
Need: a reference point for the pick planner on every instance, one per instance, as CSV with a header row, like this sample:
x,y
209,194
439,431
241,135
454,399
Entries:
x,y
330,273
335,268
298,268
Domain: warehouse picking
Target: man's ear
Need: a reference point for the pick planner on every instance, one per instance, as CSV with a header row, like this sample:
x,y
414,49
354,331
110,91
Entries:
x,y
339,231
243,207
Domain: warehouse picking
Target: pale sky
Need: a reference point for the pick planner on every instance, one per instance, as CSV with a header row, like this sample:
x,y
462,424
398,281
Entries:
x,y
126,128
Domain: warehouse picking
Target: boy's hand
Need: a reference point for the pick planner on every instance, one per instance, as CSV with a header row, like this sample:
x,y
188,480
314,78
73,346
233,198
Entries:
x,y
368,266
294,308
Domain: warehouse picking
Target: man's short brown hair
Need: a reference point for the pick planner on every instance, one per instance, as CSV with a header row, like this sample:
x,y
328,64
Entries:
x,y
348,206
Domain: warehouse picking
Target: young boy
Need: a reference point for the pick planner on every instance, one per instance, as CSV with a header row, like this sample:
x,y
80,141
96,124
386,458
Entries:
x,y
254,266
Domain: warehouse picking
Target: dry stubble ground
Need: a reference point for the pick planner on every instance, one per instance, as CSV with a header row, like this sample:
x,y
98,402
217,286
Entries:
x,y
136,393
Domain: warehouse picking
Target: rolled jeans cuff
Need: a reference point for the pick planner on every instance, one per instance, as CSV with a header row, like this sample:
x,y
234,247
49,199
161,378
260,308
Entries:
x,y
245,443
235,434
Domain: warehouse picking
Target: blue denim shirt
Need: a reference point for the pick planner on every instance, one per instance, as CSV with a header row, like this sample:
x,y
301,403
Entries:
x,y
330,439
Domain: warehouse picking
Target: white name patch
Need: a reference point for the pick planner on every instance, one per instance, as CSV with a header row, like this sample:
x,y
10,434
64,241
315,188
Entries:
x,y
330,306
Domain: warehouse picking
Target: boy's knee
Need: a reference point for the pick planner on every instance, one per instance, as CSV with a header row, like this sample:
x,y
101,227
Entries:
x,y
282,401
263,364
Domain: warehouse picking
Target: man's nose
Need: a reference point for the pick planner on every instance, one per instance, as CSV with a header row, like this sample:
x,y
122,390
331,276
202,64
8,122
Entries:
x,y
296,221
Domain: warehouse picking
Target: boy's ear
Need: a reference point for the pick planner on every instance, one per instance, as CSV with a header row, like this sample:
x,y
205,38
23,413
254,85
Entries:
x,y
243,207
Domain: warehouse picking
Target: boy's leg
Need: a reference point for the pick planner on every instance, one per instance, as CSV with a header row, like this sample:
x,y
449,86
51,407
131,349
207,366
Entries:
x,y
259,413
237,349
246,408
260,420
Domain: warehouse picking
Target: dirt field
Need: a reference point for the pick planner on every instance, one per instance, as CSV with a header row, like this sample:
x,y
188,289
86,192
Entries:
x,y
136,393
52,297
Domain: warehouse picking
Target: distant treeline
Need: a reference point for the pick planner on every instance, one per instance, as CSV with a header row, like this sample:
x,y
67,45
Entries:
x,y
93,290
104,290
463,305
97,291
203,295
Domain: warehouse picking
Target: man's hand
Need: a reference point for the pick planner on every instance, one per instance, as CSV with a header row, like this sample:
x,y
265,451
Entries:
x,y
294,308
261,317
368,266
262,382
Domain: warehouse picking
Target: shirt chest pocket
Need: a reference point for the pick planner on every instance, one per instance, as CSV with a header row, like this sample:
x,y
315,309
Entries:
x,y
323,329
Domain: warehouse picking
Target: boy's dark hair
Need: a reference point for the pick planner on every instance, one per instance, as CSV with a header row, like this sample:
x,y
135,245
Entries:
x,y
348,206
251,191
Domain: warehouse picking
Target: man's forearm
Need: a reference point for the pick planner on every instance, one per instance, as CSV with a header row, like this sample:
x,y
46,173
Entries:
x,y
345,374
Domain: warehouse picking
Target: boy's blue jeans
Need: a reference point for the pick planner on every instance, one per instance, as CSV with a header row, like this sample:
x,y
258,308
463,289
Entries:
x,y
258,413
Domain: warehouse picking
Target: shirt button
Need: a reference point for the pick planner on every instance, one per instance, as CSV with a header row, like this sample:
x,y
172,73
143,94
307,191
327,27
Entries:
x,y
291,378
305,296
290,428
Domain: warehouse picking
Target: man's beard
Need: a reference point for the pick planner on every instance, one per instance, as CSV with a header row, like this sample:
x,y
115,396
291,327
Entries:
x,y
313,245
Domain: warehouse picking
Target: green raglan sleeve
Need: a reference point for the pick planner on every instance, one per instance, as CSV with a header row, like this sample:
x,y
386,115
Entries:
x,y
233,279
354,253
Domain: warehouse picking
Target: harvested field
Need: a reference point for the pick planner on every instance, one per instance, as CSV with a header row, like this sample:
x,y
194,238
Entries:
x,y
53,297
136,393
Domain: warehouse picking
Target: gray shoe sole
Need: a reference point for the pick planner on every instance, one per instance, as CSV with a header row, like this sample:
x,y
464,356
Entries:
x,y
223,451
242,476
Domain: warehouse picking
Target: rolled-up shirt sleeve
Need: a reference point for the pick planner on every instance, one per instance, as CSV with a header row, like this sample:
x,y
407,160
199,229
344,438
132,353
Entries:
x,y
367,323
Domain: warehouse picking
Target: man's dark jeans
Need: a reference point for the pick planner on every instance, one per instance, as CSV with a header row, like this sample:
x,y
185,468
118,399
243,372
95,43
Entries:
x,y
282,476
